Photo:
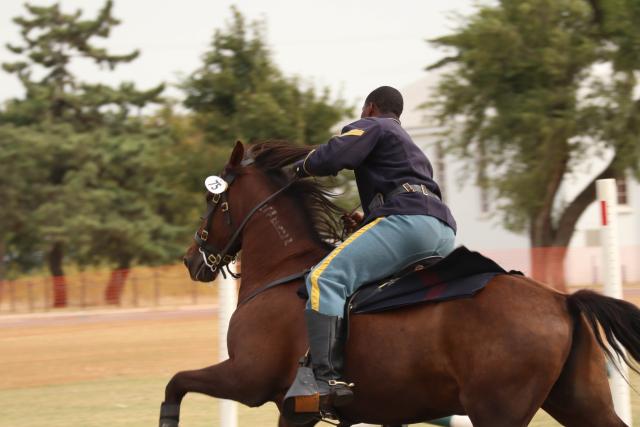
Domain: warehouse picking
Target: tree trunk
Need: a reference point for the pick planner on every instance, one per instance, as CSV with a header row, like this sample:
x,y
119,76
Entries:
x,y
547,266
113,291
549,244
2,254
547,256
59,282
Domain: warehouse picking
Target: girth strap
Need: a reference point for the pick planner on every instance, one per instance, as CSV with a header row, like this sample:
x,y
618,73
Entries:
x,y
275,283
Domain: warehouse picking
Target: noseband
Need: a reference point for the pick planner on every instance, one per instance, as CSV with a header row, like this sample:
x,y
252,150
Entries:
x,y
213,258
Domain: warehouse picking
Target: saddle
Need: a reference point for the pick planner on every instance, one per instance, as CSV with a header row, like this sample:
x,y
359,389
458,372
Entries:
x,y
461,274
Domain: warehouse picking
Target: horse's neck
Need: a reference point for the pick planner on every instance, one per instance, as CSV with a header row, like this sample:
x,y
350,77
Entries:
x,y
276,243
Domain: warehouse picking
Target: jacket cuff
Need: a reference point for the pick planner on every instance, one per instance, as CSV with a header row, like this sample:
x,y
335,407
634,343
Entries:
x,y
304,165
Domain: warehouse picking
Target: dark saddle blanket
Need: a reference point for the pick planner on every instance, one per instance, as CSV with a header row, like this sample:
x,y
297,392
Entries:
x,y
462,273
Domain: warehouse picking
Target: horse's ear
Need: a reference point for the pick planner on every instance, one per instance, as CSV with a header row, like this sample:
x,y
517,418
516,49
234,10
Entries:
x,y
237,155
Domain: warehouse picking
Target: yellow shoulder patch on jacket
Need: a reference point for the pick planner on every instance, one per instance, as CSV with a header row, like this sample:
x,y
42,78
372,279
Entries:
x,y
354,132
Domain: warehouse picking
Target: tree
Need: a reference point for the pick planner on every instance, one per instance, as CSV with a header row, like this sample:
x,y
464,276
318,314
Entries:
x,y
19,157
522,99
51,42
134,204
239,93
36,199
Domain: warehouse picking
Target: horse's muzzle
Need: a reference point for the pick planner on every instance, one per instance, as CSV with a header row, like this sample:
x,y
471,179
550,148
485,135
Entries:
x,y
198,269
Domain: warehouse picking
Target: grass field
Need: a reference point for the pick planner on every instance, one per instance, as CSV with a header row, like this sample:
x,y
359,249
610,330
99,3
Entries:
x,y
110,369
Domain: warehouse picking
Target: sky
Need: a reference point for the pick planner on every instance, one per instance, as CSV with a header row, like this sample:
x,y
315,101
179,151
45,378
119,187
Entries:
x,y
350,46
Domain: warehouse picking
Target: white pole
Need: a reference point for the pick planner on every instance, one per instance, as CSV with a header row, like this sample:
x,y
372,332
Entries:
x,y
607,193
227,298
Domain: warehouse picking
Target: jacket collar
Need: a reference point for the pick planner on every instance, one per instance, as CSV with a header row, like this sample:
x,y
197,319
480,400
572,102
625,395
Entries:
x,y
390,116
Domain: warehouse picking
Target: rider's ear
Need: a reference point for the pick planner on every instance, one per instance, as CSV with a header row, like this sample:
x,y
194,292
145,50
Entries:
x,y
237,155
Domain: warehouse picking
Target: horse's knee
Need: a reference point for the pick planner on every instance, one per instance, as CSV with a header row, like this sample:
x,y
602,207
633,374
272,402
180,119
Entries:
x,y
175,390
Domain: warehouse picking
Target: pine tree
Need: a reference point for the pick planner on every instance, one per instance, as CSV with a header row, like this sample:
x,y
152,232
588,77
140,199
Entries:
x,y
239,93
52,41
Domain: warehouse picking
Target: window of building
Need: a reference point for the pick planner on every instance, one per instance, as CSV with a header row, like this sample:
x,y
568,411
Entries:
x,y
484,200
485,203
441,171
621,183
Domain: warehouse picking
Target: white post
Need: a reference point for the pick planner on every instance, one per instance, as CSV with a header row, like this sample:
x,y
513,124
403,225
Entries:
x,y
607,194
227,299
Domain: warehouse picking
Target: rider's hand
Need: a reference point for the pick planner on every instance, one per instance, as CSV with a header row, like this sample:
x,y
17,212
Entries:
x,y
352,221
296,170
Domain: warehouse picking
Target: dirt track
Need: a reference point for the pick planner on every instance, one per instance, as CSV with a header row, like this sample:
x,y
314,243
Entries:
x,y
108,364
102,316
91,369
55,348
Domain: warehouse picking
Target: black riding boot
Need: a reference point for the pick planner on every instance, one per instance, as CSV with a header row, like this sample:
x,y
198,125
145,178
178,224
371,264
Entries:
x,y
326,345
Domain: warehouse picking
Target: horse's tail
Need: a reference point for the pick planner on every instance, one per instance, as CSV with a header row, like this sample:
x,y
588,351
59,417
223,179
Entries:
x,y
619,321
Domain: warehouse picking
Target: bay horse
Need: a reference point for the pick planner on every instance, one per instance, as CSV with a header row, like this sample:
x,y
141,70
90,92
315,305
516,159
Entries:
x,y
498,357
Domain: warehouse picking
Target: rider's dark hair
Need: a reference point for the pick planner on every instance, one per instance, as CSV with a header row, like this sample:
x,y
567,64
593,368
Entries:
x,y
387,99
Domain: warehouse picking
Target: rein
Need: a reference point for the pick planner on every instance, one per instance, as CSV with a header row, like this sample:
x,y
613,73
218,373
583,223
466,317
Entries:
x,y
218,260
213,258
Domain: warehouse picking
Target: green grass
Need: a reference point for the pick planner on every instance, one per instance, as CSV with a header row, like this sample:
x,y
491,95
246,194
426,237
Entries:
x,y
117,402
113,373
135,402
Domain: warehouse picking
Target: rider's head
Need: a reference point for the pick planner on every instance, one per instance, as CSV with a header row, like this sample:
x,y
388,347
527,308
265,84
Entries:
x,y
383,100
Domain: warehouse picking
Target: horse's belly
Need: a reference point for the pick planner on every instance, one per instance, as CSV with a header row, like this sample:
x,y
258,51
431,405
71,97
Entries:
x,y
398,367
418,363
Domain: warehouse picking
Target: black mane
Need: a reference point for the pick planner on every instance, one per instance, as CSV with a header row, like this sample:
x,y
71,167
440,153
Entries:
x,y
317,200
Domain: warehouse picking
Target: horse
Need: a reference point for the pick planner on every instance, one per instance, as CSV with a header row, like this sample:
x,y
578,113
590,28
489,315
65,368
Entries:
x,y
498,357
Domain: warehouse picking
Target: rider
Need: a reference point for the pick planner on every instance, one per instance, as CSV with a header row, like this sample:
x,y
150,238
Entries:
x,y
404,221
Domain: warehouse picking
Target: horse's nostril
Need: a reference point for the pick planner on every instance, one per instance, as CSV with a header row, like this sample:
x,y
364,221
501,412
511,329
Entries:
x,y
186,264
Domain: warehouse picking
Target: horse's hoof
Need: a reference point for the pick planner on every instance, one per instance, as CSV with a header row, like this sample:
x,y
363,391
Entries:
x,y
169,415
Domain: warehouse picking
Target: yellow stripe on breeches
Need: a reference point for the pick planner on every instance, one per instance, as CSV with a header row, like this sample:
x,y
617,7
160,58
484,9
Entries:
x,y
375,251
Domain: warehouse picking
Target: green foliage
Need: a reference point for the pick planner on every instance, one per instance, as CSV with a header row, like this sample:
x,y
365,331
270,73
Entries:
x,y
81,171
51,42
20,153
523,100
86,173
117,199
239,93
132,211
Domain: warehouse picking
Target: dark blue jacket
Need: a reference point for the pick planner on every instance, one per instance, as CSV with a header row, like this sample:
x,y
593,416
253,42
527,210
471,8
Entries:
x,y
383,157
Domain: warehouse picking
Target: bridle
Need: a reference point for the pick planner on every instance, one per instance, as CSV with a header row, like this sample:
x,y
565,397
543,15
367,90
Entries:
x,y
216,259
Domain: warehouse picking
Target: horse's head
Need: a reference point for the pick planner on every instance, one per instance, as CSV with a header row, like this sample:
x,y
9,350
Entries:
x,y
245,186
218,241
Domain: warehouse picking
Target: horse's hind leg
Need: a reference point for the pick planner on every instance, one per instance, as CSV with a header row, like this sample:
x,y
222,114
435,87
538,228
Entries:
x,y
511,396
500,410
581,395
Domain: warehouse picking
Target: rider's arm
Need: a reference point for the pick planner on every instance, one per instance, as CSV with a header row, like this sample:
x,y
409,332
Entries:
x,y
345,151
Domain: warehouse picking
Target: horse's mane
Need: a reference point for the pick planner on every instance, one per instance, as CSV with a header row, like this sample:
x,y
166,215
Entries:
x,y
317,200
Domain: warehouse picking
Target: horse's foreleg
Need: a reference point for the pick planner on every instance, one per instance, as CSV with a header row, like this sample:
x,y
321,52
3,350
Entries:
x,y
224,380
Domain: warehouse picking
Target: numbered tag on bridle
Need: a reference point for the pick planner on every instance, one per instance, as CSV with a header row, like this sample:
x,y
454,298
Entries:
x,y
215,184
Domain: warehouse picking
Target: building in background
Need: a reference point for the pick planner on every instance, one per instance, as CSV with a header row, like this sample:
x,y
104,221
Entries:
x,y
479,230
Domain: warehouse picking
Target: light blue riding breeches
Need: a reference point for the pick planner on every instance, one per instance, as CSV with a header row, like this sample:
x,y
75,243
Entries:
x,y
377,250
